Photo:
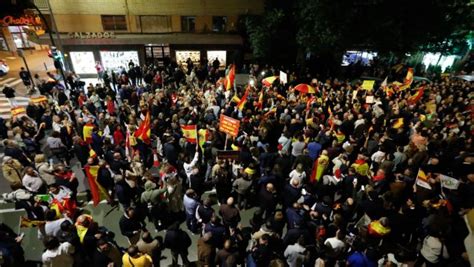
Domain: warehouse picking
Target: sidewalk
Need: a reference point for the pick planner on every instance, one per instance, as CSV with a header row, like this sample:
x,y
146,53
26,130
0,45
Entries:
x,y
38,62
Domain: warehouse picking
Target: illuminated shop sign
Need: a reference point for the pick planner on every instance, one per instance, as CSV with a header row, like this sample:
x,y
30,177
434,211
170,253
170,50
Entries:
x,y
21,21
91,35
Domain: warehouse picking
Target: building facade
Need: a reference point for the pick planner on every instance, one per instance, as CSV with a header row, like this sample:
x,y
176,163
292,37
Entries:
x,y
114,32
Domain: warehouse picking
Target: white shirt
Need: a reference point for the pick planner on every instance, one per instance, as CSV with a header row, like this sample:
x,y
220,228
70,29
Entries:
x,y
295,175
294,255
188,167
60,257
431,249
52,228
378,156
336,244
32,183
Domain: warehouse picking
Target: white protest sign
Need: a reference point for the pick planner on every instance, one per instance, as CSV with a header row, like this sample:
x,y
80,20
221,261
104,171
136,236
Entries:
x,y
283,77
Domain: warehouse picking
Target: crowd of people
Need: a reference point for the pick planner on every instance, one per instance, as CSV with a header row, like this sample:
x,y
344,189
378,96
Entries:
x,y
342,176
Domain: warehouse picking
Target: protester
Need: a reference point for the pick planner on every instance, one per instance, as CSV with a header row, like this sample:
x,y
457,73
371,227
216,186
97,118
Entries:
x,y
344,175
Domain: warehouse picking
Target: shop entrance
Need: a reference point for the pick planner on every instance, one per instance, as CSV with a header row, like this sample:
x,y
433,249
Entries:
x,y
157,54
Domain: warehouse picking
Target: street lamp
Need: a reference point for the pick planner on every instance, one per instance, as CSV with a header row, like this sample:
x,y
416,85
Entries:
x,y
53,44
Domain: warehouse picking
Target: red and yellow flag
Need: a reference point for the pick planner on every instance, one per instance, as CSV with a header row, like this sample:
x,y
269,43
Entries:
x,y
230,78
96,189
87,132
243,100
203,136
39,99
398,123
92,153
190,133
259,104
320,165
408,80
413,99
27,223
144,130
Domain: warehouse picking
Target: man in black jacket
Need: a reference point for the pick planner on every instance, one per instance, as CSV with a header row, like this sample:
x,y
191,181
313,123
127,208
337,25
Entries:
x,y
178,242
130,226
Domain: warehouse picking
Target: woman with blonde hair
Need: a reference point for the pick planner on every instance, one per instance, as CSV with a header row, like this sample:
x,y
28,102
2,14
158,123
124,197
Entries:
x,y
45,169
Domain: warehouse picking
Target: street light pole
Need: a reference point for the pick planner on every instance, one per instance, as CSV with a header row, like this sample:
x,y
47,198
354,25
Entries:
x,y
22,55
48,29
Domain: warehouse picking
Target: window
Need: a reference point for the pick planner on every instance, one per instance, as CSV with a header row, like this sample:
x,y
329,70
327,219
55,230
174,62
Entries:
x,y
219,23
152,24
114,23
188,24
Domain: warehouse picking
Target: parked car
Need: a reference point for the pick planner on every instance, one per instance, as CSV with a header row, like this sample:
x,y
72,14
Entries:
x,y
3,67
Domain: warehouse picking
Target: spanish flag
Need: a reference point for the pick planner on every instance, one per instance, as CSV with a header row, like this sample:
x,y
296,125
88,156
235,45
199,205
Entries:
x,y
259,104
375,228
39,99
398,123
408,80
203,136
96,189
243,100
230,78
144,131
92,153
18,111
361,167
320,165
27,223
423,180
413,99
67,205
236,99
87,132
190,133
340,137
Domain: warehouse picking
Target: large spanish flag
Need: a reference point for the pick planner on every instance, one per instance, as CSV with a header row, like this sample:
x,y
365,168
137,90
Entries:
x,y
190,133
144,130
230,78
243,100
320,165
96,190
408,80
413,99
87,132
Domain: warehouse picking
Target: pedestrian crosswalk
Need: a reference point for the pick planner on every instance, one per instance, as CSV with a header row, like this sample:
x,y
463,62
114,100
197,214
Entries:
x,y
12,82
6,106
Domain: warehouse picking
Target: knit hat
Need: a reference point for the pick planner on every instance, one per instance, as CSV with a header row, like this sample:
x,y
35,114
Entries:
x,y
6,159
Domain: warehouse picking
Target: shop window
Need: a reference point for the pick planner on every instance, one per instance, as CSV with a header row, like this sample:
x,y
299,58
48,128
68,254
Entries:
x,y
219,23
188,24
114,22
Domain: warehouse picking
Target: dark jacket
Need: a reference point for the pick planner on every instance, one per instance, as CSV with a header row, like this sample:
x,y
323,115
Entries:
x,y
129,225
177,240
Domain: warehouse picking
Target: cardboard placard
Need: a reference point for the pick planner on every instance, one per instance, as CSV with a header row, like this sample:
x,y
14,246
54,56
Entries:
x,y
229,125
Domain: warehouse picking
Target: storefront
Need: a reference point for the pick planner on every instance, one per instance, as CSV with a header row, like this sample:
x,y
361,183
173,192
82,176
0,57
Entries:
x,y
114,51
20,32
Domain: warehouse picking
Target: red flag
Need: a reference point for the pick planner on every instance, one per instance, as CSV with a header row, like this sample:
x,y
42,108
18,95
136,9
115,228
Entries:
x,y
417,96
87,132
190,133
144,130
243,100
320,165
260,100
91,173
230,78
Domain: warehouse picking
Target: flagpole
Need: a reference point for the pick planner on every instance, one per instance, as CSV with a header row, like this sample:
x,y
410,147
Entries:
x,y
226,139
